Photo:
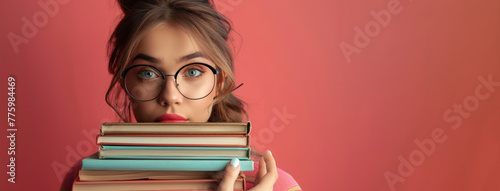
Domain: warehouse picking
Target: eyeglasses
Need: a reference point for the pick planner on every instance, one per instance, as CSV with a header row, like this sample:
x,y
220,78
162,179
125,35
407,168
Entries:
x,y
194,81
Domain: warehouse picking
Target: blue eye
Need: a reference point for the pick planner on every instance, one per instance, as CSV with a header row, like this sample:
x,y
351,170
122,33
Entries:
x,y
148,74
193,73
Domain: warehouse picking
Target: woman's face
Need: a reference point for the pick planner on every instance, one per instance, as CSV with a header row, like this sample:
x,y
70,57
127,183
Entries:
x,y
168,48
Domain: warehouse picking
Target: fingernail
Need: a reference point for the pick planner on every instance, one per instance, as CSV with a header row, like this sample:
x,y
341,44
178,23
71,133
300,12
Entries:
x,y
235,162
270,152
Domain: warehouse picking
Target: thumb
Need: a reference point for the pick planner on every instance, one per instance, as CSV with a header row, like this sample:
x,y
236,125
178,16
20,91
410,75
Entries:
x,y
230,174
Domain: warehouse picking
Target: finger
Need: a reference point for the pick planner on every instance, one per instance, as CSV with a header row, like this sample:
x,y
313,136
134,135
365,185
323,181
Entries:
x,y
262,170
270,163
230,174
268,180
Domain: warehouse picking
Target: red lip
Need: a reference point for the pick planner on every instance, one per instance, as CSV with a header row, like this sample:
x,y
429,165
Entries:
x,y
171,118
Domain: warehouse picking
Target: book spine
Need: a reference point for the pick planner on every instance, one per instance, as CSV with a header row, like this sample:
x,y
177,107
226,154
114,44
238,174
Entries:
x,y
103,149
125,128
171,158
248,141
249,128
249,151
172,165
99,141
171,145
100,153
112,147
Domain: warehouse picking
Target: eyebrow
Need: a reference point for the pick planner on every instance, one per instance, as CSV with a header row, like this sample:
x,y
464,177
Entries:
x,y
191,56
157,61
147,58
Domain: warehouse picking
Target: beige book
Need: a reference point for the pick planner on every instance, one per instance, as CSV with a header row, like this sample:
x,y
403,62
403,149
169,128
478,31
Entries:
x,y
203,128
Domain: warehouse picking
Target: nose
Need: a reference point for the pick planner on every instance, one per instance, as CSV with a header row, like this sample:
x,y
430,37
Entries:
x,y
170,95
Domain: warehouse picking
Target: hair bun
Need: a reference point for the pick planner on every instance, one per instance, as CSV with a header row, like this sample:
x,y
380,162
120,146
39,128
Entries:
x,y
206,2
128,5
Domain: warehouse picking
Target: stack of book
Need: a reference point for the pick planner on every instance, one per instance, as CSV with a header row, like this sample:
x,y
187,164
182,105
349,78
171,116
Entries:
x,y
165,156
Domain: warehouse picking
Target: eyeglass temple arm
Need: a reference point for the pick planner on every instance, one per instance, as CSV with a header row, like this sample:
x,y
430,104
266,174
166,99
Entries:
x,y
237,87
233,89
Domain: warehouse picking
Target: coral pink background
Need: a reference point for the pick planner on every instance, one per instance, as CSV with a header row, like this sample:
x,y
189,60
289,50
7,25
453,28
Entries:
x,y
405,101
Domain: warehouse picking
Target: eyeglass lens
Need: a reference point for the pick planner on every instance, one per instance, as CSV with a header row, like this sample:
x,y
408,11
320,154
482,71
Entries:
x,y
193,81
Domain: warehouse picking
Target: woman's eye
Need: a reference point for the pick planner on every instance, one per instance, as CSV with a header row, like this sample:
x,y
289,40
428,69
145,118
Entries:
x,y
147,74
193,73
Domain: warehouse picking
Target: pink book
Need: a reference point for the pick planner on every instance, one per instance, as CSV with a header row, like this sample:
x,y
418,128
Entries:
x,y
176,140
150,185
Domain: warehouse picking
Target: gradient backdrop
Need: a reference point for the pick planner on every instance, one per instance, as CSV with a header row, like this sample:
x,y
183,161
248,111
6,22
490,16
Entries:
x,y
348,95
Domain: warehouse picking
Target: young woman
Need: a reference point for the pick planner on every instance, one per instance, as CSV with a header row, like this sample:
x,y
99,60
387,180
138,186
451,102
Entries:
x,y
170,62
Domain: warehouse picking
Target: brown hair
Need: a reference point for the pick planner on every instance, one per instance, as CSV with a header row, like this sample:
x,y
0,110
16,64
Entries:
x,y
199,18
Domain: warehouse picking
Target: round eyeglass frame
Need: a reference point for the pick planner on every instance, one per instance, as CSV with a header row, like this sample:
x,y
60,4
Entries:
x,y
214,71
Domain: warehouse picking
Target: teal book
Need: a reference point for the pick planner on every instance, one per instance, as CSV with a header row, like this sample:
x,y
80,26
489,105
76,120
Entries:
x,y
94,163
157,152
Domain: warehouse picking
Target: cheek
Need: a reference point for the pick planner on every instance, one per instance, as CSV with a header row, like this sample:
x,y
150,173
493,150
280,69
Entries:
x,y
142,111
201,110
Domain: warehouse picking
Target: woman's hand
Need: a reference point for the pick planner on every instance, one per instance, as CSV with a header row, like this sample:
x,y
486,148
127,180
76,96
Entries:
x,y
264,181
